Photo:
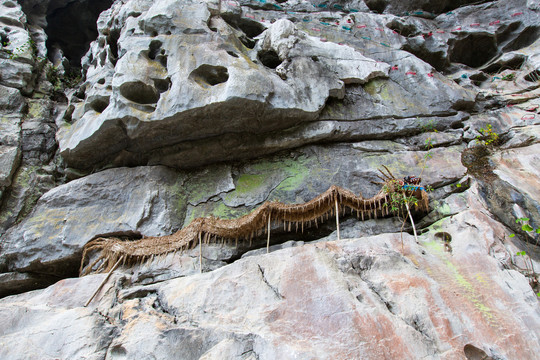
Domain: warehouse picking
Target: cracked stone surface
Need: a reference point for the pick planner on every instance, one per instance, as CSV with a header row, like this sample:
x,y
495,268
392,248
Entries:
x,y
342,299
187,110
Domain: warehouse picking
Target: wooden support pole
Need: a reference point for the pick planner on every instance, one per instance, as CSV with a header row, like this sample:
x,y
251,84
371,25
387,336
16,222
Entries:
x,y
410,217
103,282
268,238
337,220
200,252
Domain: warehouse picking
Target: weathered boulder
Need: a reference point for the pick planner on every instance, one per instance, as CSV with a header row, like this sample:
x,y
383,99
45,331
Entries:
x,y
16,48
65,218
131,110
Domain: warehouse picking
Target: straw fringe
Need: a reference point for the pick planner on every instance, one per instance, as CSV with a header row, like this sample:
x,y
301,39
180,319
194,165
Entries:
x,y
217,230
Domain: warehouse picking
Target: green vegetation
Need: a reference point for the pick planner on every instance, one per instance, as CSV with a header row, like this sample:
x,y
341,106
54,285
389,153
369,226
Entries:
x,y
529,271
487,136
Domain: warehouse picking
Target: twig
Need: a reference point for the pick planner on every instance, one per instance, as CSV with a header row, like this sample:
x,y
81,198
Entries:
x,y
103,282
268,239
410,217
200,252
337,220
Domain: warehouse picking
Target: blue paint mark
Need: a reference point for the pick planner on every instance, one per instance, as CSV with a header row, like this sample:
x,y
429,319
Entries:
x,y
366,38
325,23
346,28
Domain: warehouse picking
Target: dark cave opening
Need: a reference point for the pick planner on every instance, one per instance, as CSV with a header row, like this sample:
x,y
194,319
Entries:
x,y
474,49
70,28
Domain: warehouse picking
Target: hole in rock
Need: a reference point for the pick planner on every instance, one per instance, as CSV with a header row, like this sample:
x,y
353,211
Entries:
x,y
444,236
526,37
533,76
81,93
68,115
118,351
402,28
162,60
194,31
99,104
474,353
269,58
153,49
72,27
112,40
162,85
101,81
474,49
139,92
513,63
377,6
247,41
233,54
249,27
4,40
211,75
436,59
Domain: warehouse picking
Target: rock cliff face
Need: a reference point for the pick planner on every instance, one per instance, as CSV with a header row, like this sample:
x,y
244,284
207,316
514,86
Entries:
x,y
131,118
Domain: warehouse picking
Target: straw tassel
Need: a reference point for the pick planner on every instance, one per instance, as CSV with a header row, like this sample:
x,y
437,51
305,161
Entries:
x,y
335,201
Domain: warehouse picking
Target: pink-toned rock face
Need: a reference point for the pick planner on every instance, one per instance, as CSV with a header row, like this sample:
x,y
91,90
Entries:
x,y
350,299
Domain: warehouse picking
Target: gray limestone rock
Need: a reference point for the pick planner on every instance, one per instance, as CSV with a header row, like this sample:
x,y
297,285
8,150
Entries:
x,y
65,218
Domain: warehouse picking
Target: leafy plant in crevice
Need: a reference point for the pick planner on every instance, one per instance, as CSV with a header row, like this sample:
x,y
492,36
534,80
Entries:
x,y
529,270
487,136
400,200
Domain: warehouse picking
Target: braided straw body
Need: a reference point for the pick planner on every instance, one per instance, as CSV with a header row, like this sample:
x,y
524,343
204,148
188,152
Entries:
x,y
214,230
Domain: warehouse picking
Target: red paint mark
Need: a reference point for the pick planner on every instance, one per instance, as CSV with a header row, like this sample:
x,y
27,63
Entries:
x,y
337,22
315,29
517,14
495,22
231,3
379,29
395,68
510,105
341,44
361,26
457,29
411,73
395,32
528,117
440,31
250,16
324,40
430,74
349,21
475,24
532,108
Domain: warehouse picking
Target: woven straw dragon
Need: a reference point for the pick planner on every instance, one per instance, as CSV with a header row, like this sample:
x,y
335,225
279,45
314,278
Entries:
x,y
113,250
